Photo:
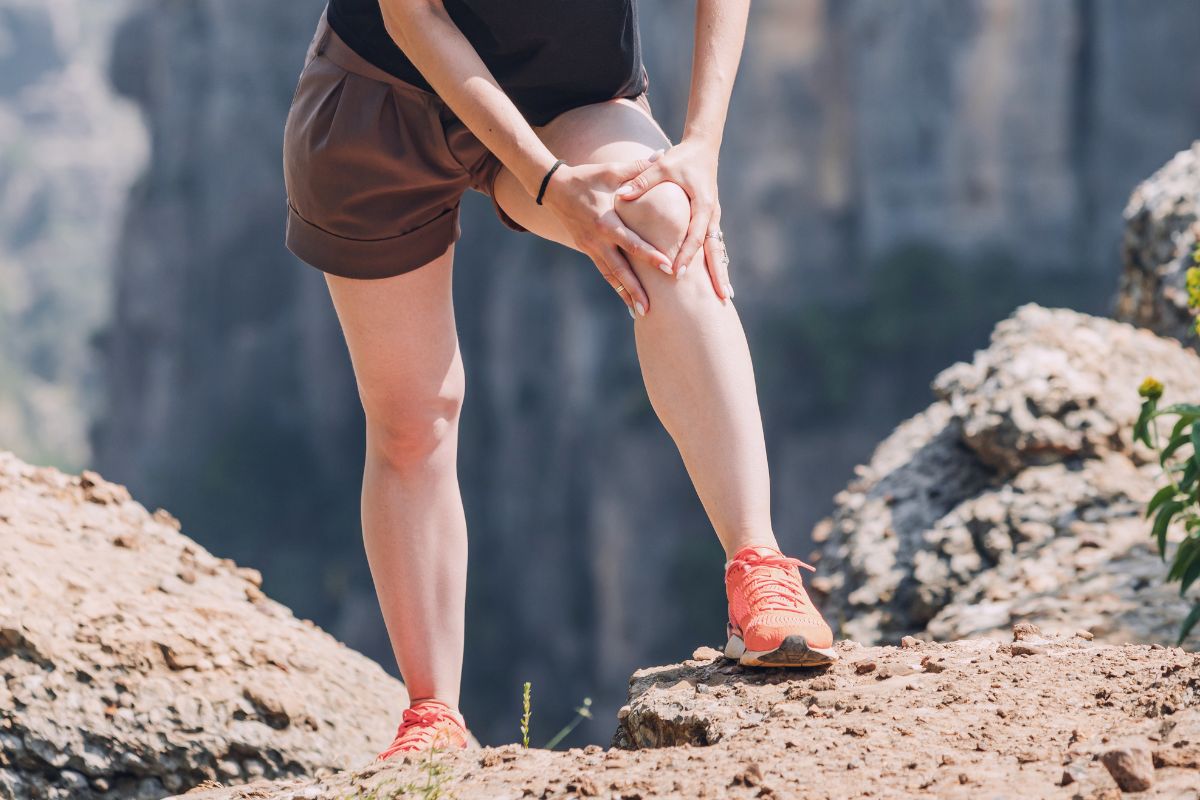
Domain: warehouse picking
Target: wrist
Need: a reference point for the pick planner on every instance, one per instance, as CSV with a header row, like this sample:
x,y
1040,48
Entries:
x,y
535,171
706,138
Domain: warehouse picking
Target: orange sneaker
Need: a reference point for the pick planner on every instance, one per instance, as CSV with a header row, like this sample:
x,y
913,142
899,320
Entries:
x,y
428,724
772,623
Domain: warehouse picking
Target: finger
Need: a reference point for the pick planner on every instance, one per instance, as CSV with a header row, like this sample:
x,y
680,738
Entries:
x,y
613,281
716,257
701,214
637,186
623,275
638,249
628,170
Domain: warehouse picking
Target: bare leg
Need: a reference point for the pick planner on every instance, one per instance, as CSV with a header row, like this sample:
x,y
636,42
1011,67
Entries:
x,y
692,349
404,348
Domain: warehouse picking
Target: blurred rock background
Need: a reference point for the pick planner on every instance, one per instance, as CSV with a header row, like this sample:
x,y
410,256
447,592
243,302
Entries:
x,y
902,176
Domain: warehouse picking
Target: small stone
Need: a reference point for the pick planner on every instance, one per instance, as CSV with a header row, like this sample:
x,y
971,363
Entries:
x,y
1085,635
931,664
251,576
751,775
863,667
910,642
584,785
1130,766
1023,649
705,653
1025,630
164,517
73,780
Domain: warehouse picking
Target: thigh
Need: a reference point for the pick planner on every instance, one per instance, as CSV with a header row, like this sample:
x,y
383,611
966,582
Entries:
x,y
401,336
618,130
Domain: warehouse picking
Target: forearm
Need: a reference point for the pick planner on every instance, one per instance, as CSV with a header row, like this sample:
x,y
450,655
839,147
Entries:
x,y
720,34
430,39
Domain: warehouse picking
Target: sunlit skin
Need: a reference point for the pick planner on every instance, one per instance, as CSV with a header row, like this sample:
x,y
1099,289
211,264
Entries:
x,y
649,242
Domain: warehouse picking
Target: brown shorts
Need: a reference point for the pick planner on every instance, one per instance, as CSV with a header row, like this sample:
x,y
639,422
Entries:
x,y
375,168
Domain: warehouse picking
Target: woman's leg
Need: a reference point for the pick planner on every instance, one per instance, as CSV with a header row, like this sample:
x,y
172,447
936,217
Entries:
x,y
692,349
403,344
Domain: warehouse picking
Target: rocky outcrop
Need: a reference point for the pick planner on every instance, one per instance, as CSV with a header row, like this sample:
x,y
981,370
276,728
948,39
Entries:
x,y
134,664
1162,228
1031,716
1016,496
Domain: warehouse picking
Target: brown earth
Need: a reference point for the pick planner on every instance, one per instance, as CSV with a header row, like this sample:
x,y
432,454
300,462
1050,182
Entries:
x,y
1058,717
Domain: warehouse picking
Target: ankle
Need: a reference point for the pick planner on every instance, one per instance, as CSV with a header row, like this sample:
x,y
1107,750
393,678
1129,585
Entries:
x,y
413,702
735,545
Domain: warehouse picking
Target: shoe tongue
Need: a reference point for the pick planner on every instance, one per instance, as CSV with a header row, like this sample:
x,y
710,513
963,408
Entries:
x,y
757,549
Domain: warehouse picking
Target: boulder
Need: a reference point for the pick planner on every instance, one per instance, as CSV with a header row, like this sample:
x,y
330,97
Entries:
x,y
135,664
1161,231
1016,496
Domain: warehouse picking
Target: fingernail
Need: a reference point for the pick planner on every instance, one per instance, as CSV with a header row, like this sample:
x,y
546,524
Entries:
x,y
624,190
665,267
641,309
682,270
729,289
630,310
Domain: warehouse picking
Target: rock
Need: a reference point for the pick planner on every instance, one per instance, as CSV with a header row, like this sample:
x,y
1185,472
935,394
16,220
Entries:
x,y
1131,767
1025,649
1161,232
121,689
1016,497
1026,630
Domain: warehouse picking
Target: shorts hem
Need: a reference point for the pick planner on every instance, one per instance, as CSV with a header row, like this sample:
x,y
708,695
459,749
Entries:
x,y
368,259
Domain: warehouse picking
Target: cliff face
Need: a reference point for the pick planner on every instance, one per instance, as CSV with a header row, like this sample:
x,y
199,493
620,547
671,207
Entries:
x,y
69,149
1000,136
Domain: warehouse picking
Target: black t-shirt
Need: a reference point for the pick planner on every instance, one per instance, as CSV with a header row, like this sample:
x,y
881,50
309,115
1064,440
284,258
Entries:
x,y
548,55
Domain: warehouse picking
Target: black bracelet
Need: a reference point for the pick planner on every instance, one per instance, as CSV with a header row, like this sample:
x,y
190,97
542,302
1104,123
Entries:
x,y
546,180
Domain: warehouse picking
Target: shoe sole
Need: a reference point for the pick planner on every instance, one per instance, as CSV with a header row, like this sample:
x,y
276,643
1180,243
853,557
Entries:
x,y
793,651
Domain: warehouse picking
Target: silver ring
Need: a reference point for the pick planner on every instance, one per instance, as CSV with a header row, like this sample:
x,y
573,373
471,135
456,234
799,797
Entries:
x,y
720,237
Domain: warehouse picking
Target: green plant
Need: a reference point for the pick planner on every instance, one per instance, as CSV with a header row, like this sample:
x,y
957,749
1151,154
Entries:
x,y
581,713
1179,500
526,715
1193,286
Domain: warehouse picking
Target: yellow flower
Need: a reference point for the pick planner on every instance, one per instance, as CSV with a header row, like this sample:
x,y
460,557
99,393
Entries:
x,y
1151,389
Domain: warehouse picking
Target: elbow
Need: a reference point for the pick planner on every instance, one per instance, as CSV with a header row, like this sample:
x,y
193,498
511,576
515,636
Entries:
x,y
401,17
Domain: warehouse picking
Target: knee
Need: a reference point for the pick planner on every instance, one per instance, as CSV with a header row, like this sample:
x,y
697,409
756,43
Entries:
x,y
660,216
409,428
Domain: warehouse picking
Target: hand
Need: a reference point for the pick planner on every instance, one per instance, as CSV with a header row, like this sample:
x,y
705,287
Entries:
x,y
692,165
581,198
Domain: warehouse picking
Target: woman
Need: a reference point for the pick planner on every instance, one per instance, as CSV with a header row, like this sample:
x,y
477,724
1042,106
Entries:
x,y
402,105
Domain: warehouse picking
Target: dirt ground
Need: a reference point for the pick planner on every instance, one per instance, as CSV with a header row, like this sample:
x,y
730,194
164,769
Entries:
x,y
1034,717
